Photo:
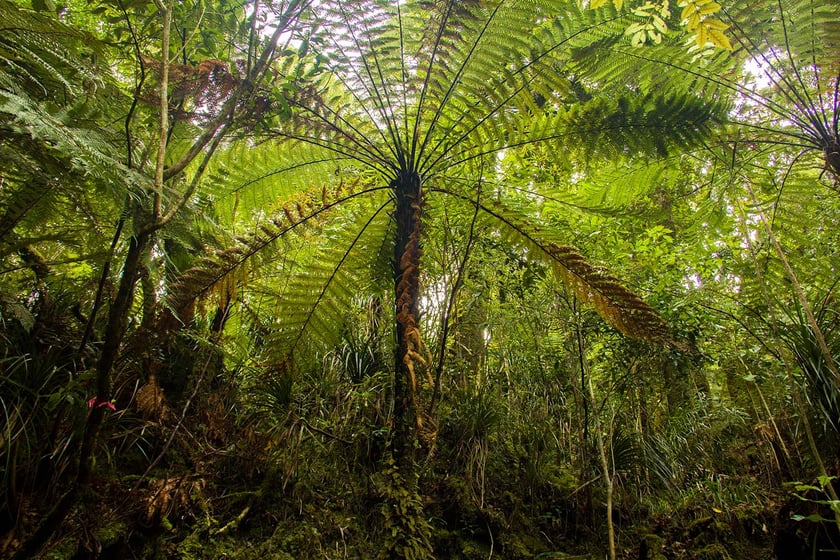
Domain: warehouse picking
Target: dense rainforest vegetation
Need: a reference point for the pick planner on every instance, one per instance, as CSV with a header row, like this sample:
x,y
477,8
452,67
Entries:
x,y
467,279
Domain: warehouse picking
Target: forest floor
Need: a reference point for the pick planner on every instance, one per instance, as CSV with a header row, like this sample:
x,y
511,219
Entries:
x,y
179,518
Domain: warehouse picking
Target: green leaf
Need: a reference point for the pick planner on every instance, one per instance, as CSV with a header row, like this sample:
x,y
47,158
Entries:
x,y
814,518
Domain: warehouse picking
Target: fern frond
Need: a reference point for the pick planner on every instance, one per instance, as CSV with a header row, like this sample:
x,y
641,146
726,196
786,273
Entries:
x,y
245,179
88,152
610,190
328,280
20,201
486,110
41,55
302,211
639,125
616,304
613,66
409,83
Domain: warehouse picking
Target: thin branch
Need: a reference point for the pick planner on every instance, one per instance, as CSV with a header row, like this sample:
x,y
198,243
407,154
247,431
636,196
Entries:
x,y
163,133
257,74
450,303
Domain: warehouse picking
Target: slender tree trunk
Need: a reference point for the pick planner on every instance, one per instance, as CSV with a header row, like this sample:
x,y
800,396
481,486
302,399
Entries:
x,y
798,399
607,473
446,314
117,324
407,357
602,449
800,295
582,399
103,279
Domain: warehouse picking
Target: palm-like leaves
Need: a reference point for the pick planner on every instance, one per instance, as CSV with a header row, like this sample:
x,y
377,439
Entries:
x,y
797,61
436,91
429,103
48,132
784,75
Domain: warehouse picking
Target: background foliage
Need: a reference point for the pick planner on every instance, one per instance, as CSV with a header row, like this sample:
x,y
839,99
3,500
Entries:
x,y
526,279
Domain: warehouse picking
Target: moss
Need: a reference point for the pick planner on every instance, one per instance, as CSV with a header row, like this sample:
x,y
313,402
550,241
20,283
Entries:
x,y
654,545
715,551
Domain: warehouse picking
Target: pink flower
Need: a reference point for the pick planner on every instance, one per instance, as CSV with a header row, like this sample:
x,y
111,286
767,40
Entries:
x,y
106,404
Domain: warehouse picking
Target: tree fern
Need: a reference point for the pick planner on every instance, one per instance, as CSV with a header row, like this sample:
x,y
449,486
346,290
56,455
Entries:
x,y
784,75
423,102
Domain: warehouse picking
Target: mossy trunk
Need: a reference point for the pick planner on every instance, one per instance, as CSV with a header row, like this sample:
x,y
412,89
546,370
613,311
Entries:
x,y
117,325
407,253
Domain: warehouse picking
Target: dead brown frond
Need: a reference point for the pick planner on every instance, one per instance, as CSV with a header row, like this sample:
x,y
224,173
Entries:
x,y
151,401
165,496
620,307
198,91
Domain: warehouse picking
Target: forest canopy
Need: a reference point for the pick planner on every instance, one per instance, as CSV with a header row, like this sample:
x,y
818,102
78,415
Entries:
x,y
419,279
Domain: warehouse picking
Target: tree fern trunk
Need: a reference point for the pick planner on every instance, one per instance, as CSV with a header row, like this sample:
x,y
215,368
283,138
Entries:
x,y
407,252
